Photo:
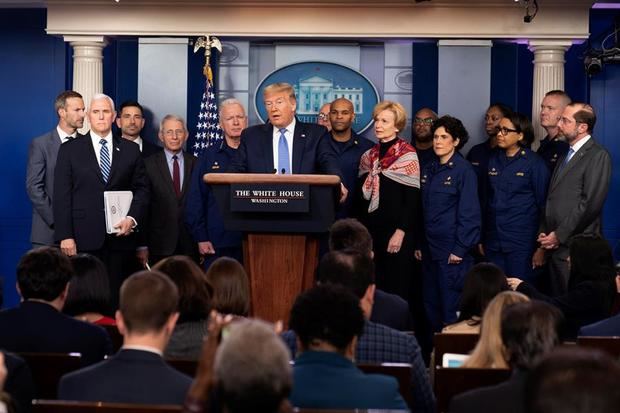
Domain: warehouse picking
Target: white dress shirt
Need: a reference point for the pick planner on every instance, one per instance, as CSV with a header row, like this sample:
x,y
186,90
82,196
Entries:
x,y
64,135
290,131
95,140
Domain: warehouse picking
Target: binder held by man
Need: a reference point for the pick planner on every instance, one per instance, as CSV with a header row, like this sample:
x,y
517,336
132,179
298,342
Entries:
x,y
116,206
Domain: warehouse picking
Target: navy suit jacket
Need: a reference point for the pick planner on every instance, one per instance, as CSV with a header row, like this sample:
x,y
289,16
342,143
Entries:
x,y
79,187
608,327
507,397
130,376
312,152
391,310
149,148
326,380
39,328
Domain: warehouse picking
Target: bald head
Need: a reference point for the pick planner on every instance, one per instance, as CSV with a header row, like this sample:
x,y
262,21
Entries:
x,y
423,124
341,117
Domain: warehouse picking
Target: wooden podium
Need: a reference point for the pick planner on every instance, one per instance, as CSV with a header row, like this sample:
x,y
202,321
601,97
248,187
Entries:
x,y
282,217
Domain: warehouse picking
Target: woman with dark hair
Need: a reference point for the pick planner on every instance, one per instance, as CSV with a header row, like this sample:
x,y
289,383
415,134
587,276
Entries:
x,y
89,291
231,287
516,192
390,192
482,283
591,285
451,221
479,154
194,306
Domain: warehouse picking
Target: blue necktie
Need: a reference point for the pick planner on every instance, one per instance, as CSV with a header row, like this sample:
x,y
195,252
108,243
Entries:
x,y
104,156
569,155
283,158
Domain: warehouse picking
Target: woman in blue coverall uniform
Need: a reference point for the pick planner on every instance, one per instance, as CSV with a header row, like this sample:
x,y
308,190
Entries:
x,y
451,221
517,180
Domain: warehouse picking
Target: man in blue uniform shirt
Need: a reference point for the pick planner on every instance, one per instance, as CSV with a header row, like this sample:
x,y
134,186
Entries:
x,y
202,214
348,146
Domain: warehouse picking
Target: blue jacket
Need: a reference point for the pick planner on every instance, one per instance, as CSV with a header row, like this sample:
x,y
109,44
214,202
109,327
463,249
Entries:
x,y
348,155
451,207
326,380
516,196
202,215
552,150
608,327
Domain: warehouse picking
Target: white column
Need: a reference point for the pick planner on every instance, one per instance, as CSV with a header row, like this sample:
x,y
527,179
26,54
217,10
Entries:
x,y
548,75
87,67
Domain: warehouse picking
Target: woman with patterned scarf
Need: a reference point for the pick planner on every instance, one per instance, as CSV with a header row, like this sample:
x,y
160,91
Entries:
x,y
390,196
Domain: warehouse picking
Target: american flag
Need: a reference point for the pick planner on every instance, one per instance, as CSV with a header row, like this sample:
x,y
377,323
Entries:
x,y
208,131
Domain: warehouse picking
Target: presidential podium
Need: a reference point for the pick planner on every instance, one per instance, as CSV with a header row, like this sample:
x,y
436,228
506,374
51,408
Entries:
x,y
282,218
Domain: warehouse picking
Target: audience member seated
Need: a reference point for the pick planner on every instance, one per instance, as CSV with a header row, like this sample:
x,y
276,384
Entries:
x,y
4,397
18,385
38,325
608,327
235,377
231,287
489,352
324,374
529,332
89,296
483,282
137,373
574,380
378,343
388,309
591,285
194,301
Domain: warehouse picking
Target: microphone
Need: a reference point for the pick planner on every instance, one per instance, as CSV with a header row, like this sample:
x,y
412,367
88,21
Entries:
x,y
283,171
274,171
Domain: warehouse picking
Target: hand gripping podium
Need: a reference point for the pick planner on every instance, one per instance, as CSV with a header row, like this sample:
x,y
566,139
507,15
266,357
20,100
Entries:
x,y
281,217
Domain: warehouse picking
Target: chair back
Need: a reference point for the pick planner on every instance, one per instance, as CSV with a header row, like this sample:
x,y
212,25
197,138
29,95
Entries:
x,y
48,368
452,381
64,406
400,371
453,343
609,345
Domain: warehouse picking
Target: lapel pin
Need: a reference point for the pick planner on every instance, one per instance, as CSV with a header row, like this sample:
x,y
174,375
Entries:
x,y
118,149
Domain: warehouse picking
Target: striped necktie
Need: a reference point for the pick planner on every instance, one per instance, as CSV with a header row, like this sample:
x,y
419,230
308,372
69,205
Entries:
x,y
104,161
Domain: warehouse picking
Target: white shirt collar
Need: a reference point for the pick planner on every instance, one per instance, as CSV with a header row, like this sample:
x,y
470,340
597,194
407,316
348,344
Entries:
x,y
63,135
580,143
143,348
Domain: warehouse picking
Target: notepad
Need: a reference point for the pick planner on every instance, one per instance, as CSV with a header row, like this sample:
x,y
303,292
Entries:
x,y
116,206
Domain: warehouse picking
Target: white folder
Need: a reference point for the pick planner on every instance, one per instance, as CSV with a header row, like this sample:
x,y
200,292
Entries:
x,y
116,206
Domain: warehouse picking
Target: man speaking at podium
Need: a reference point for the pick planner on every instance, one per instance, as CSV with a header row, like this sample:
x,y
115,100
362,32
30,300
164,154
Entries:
x,y
284,145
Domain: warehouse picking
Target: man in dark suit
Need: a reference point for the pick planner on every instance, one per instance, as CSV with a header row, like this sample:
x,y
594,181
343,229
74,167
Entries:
x,y
138,372
42,155
130,122
324,374
577,192
169,172
378,343
86,168
529,332
388,309
284,145
38,325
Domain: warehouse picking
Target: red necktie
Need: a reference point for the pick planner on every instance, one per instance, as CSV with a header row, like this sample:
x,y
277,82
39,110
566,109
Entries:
x,y
176,176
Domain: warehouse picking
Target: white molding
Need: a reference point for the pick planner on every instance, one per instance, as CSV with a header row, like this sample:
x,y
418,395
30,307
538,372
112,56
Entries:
x,y
465,42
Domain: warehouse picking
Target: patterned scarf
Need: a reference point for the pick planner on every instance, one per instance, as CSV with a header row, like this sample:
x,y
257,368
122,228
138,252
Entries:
x,y
399,164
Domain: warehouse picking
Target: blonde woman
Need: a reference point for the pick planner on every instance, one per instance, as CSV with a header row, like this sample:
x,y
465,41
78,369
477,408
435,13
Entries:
x,y
489,352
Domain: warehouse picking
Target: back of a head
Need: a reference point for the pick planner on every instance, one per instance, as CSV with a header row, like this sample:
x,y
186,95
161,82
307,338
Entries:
x,y
348,268
255,377
489,351
231,287
349,233
191,282
90,287
574,380
529,332
482,283
147,300
328,313
591,259
43,273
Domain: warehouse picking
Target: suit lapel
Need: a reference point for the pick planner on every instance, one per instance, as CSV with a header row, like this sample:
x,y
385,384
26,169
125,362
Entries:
x,y
558,175
162,167
116,155
267,145
91,157
299,143
188,162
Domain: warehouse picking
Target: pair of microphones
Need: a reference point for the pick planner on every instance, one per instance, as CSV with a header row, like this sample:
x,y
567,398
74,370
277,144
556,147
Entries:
x,y
282,172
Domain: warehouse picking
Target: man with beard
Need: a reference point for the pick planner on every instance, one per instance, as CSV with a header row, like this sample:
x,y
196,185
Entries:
x,y
422,135
348,146
577,192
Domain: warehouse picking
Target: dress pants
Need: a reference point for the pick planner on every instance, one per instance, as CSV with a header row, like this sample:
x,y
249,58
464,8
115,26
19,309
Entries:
x,y
514,263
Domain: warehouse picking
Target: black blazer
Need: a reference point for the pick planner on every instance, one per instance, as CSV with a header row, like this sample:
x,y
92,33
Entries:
x,y
312,152
507,397
79,187
149,148
391,310
39,328
165,228
130,376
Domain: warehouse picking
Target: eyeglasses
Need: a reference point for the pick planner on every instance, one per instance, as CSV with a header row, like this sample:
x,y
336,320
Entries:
x,y
323,116
177,132
504,131
425,121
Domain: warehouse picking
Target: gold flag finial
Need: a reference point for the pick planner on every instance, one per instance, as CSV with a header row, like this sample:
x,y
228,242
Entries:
x,y
207,42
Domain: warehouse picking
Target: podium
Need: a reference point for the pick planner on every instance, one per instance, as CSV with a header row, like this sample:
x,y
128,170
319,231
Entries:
x,y
282,218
